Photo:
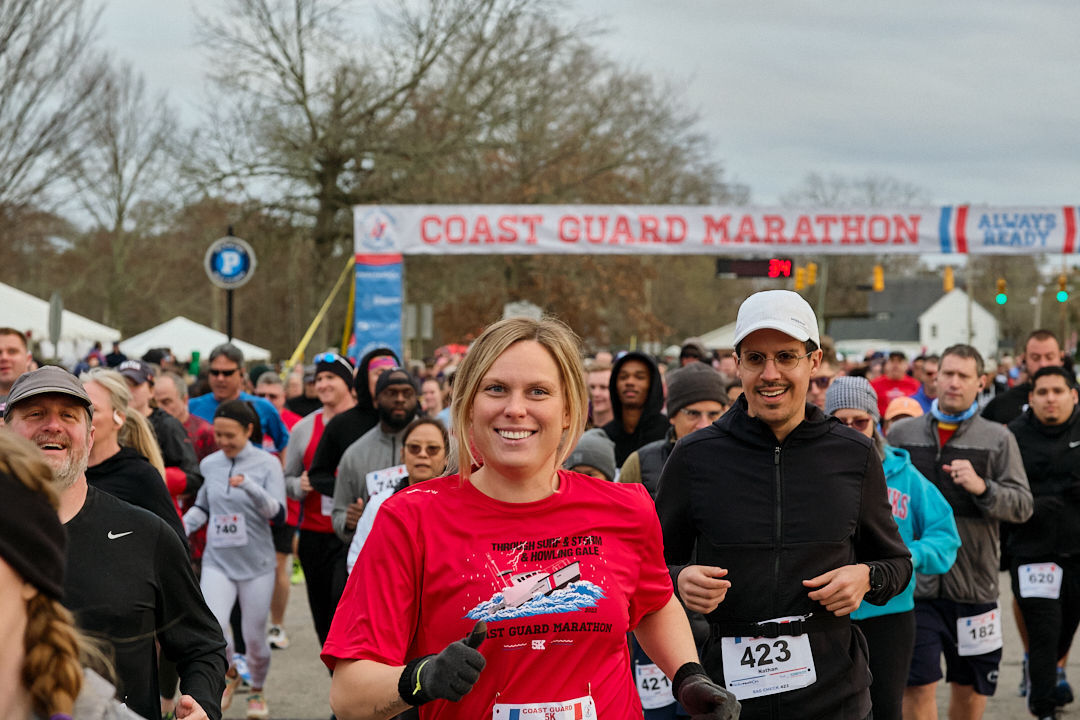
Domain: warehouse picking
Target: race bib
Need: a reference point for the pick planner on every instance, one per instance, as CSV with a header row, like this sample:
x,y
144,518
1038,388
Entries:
x,y
653,686
326,505
1040,580
379,480
581,708
227,531
979,634
760,666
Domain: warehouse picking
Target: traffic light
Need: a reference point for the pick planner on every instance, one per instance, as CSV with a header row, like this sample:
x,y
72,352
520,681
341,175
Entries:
x,y
800,279
811,273
1062,293
1002,296
879,278
949,283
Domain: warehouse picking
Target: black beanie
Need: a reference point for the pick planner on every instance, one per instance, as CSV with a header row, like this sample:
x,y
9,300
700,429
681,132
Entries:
x,y
694,383
32,540
335,364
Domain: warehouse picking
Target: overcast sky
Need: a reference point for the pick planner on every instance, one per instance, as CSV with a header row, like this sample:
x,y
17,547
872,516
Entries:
x,y
973,101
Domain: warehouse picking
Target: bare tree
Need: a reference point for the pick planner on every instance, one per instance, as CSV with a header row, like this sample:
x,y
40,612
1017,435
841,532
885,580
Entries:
x,y
460,101
125,161
838,293
49,74
870,190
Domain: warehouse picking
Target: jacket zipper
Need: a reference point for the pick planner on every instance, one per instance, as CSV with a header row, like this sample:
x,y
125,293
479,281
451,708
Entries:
x,y
774,704
779,525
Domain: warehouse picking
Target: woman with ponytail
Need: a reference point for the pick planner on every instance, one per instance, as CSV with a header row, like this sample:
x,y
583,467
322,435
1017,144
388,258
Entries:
x,y
125,460
243,492
42,675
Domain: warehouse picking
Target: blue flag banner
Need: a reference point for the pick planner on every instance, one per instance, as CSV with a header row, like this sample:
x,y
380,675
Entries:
x,y
377,318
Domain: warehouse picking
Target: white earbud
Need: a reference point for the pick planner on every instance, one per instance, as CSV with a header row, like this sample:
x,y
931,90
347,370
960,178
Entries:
x,y
117,418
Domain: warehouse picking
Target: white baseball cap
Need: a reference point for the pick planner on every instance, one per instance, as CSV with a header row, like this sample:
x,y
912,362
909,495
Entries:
x,y
781,310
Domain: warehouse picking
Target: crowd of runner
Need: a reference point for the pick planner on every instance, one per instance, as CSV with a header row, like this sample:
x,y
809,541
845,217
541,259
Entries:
x,y
769,530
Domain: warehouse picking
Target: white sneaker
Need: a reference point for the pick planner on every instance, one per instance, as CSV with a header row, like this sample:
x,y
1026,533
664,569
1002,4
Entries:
x,y
277,638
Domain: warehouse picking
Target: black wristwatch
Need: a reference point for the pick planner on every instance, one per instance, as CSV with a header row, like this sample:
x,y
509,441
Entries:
x,y
877,579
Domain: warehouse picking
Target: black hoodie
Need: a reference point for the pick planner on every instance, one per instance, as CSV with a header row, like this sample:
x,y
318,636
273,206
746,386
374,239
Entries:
x,y
130,476
346,428
1051,455
652,425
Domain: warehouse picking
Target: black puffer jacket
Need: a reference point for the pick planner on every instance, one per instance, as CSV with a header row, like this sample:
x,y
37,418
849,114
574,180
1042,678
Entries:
x,y
1051,455
774,514
652,425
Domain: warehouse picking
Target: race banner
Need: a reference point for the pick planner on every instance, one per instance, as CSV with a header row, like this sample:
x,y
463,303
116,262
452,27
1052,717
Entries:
x,y
706,230
377,317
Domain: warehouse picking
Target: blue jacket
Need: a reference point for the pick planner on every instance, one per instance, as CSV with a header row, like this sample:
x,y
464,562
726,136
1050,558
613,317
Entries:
x,y
926,525
272,426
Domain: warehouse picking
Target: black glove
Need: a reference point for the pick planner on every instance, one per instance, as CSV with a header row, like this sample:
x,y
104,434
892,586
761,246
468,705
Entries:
x,y
701,697
446,676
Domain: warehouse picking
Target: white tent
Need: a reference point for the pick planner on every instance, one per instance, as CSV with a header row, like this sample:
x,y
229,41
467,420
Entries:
x,y
722,338
185,337
30,314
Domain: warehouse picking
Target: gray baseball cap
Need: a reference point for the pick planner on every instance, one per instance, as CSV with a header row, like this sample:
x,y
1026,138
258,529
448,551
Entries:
x,y
43,381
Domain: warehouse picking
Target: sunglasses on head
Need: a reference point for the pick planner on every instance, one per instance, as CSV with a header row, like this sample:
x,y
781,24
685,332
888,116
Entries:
x,y
859,424
224,373
327,357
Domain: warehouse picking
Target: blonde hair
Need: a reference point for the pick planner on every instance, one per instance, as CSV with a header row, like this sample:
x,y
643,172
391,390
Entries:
x,y
565,349
136,432
52,671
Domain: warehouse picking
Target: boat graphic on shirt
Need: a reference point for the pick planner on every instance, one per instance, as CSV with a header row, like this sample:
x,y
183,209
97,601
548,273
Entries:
x,y
557,588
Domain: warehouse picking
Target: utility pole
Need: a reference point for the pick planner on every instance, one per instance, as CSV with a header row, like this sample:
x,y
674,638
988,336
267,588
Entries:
x,y
968,275
822,286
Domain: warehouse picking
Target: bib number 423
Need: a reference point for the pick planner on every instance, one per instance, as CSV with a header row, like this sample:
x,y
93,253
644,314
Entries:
x,y
766,653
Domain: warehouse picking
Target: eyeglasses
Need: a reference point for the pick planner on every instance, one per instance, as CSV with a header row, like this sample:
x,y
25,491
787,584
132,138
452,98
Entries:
x,y
859,424
695,415
224,373
783,360
822,383
416,449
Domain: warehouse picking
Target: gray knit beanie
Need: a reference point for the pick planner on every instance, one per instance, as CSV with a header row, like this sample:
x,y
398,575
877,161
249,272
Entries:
x,y
852,392
694,383
594,449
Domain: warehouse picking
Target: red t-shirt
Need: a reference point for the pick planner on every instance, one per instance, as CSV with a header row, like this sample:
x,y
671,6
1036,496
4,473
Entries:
x,y
888,390
443,555
202,436
315,502
292,507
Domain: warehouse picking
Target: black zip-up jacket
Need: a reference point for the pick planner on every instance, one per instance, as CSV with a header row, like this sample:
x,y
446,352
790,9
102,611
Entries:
x,y
1051,455
652,425
1008,406
346,428
774,514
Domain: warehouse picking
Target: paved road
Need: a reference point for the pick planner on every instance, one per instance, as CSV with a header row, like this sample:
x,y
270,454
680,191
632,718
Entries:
x,y
298,685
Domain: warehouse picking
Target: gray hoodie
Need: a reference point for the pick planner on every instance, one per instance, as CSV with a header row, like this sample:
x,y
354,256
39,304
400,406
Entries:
x,y
97,701
375,451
